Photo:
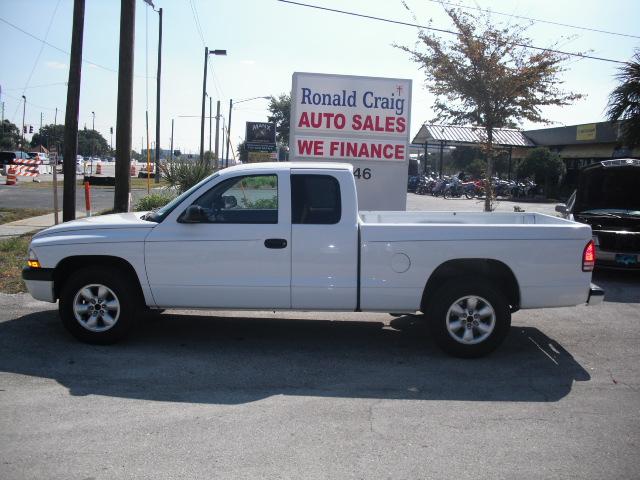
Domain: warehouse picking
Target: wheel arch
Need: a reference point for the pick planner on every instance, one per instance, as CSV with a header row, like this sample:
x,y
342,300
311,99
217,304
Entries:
x,y
492,270
69,265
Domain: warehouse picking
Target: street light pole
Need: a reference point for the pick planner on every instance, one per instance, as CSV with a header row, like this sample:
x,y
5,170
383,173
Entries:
x,y
157,176
93,125
229,125
24,107
204,94
228,133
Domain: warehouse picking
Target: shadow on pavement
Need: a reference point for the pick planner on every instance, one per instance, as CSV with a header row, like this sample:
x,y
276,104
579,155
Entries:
x,y
214,359
620,286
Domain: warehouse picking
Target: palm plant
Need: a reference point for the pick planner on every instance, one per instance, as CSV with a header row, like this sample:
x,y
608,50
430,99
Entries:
x,y
624,102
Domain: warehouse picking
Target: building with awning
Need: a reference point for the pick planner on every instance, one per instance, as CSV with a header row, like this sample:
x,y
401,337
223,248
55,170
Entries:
x,y
441,136
582,145
578,145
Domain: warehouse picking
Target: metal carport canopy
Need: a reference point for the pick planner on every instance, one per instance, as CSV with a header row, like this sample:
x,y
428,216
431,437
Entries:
x,y
467,135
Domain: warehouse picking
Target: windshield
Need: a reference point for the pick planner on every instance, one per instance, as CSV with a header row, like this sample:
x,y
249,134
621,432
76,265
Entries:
x,y
160,214
613,191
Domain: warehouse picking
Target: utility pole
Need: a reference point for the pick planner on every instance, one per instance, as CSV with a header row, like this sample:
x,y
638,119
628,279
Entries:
x,y
71,115
24,108
125,105
93,123
40,120
157,176
171,140
228,132
217,132
55,169
210,117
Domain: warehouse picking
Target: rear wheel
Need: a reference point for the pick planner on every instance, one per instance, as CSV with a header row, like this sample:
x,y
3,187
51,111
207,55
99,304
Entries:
x,y
469,318
97,305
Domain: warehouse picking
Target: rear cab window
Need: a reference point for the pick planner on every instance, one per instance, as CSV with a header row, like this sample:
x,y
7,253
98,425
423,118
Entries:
x,y
315,199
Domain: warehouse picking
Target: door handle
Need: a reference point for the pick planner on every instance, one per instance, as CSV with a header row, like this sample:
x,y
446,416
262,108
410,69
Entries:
x,y
275,243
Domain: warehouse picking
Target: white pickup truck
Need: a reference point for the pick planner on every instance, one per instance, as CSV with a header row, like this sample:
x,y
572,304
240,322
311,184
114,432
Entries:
x,y
288,236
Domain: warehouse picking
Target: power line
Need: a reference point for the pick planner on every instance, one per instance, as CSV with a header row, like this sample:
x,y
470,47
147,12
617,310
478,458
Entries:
x,y
31,103
89,62
441,30
537,20
194,12
38,86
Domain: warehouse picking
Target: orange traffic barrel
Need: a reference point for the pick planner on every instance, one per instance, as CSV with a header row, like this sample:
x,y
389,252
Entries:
x,y
133,171
99,168
11,175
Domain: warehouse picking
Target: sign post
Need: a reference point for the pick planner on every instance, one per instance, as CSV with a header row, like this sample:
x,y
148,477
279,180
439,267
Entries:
x,y
359,120
260,141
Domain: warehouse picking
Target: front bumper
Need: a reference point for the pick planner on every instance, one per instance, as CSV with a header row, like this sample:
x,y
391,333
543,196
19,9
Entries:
x,y
39,282
596,295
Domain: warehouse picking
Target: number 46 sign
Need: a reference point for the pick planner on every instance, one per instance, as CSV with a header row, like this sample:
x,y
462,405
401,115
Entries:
x,y
359,120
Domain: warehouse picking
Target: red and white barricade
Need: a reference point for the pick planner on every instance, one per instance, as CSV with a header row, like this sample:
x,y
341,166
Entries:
x,y
27,168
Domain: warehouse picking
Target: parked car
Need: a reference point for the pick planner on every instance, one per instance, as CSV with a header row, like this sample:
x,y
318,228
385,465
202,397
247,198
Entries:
x,y
288,236
43,157
608,199
9,157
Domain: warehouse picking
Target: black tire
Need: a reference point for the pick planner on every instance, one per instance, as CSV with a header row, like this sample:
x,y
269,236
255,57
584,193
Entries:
x,y
446,193
469,193
120,290
453,293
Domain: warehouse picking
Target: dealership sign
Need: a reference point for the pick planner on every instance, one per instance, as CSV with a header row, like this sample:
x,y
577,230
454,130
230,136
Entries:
x,y
360,120
260,141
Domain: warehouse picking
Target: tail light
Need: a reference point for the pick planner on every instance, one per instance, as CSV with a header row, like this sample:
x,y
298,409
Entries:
x,y
589,257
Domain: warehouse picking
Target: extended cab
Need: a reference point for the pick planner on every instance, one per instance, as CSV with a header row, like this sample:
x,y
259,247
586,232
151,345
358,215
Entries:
x,y
283,236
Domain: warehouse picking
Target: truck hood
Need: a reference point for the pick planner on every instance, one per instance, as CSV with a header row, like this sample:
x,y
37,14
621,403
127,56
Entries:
x,y
113,221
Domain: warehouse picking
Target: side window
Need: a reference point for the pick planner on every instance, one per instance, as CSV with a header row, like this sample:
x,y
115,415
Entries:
x,y
249,199
315,199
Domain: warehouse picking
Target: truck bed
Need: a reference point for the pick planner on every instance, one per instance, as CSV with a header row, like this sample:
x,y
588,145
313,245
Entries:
x,y
399,249
466,218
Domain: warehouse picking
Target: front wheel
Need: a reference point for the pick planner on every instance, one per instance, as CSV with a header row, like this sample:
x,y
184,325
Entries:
x,y
97,305
469,318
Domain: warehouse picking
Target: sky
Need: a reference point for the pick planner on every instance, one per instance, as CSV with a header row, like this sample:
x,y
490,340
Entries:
x,y
266,41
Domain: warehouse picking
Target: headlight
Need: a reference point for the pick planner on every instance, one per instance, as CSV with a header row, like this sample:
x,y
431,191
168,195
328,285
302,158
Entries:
x,y
32,260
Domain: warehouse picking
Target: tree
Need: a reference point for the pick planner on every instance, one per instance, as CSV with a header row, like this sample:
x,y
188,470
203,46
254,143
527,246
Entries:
x,y
243,153
547,168
477,168
280,109
624,102
9,136
91,143
487,77
50,136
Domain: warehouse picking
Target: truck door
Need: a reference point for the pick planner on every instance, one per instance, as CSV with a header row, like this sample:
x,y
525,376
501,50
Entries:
x,y
324,237
235,254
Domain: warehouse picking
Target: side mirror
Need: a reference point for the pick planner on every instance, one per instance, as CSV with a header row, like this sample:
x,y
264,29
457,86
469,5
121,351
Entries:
x,y
230,201
562,208
193,214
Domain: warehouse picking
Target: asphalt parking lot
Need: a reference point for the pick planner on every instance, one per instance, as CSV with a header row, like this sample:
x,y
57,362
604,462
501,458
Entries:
x,y
323,395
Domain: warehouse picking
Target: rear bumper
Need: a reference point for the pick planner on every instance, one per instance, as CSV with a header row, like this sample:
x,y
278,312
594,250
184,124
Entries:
x,y
596,295
39,282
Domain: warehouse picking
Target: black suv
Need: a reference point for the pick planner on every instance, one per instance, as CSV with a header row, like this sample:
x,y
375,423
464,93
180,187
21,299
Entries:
x,y
608,199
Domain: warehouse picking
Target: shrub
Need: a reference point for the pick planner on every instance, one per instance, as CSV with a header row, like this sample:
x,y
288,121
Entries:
x,y
547,168
153,201
181,175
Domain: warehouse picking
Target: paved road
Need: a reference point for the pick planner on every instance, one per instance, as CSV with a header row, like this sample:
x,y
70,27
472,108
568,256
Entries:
x,y
102,199
36,197
301,395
